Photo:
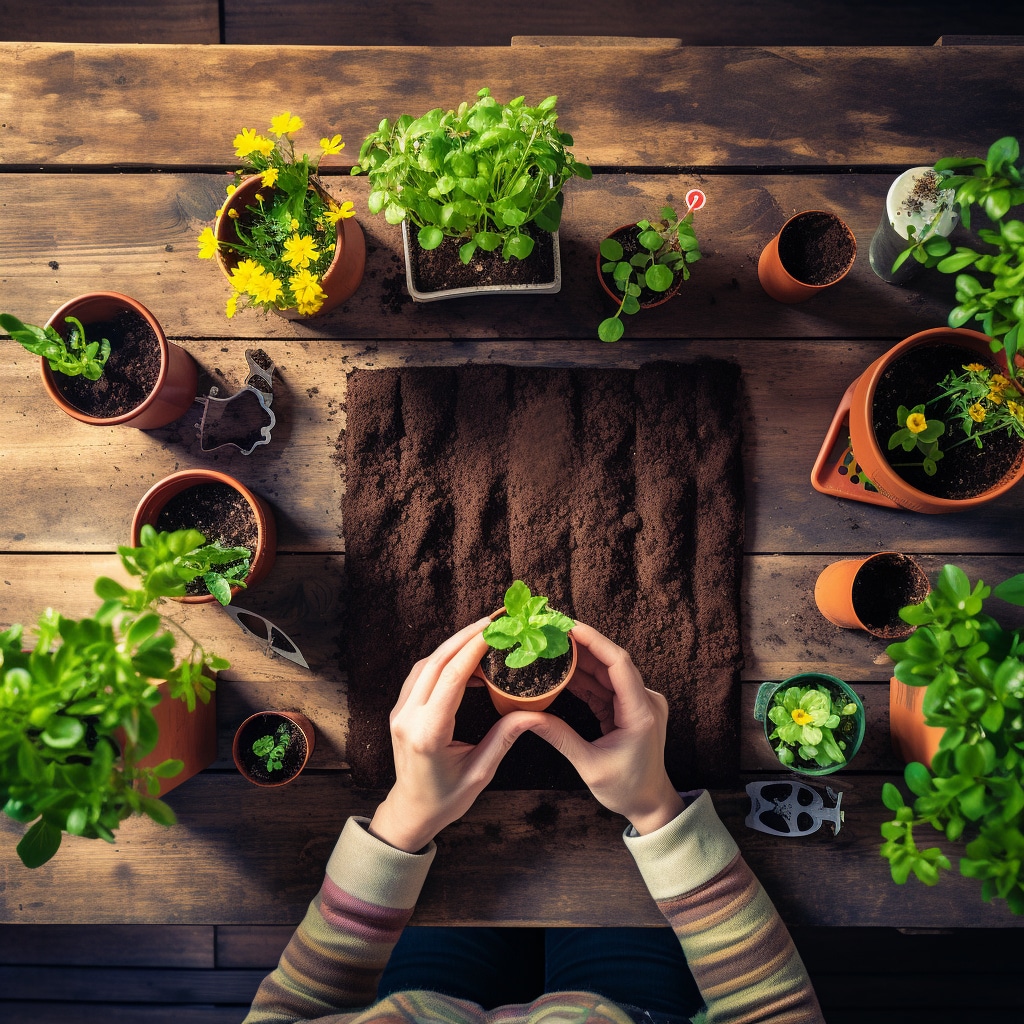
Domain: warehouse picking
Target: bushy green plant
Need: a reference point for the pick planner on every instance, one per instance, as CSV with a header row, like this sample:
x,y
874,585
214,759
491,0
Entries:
x,y
804,719
667,247
529,627
76,717
994,185
974,789
481,173
271,748
983,402
72,356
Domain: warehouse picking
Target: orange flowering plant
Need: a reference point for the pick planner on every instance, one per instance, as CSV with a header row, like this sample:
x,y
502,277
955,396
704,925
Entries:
x,y
286,240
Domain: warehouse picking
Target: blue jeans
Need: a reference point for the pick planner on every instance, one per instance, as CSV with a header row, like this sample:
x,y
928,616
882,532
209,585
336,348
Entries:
x,y
642,970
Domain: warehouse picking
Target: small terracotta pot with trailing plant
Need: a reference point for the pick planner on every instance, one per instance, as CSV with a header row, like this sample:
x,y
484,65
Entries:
x,y
642,265
868,593
223,510
270,748
281,240
542,653
813,251
106,361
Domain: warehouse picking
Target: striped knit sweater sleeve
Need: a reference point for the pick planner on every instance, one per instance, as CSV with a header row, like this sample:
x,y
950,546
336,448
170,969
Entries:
x,y
741,955
338,953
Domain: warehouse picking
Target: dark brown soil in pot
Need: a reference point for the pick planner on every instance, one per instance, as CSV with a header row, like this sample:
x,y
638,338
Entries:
x,y
294,755
816,248
441,268
964,471
130,374
532,680
215,510
884,585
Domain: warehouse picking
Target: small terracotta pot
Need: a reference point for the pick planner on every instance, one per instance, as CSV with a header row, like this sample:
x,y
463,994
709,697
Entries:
x,y
766,691
836,592
175,388
616,297
296,718
153,501
778,282
505,702
341,278
912,740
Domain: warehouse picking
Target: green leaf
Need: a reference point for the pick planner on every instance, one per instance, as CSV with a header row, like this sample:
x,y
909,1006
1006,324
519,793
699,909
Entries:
x,y
957,261
518,245
429,237
1011,590
39,844
169,768
891,796
611,329
611,249
158,811
62,732
487,240
659,278
520,658
918,779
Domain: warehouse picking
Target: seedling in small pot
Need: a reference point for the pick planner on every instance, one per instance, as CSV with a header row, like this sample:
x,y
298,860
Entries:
x,y
271,750
805,717
73,356
529,628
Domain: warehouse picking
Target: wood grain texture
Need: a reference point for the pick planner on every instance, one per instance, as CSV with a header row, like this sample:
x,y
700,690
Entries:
x,y
39,1012
137,106
112,21
86,945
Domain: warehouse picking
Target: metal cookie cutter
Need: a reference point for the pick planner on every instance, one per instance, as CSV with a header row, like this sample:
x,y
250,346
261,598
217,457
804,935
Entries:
x,y
787,808
245,419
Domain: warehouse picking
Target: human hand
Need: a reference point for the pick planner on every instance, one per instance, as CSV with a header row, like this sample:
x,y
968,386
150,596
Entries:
x,y
438,778
625,768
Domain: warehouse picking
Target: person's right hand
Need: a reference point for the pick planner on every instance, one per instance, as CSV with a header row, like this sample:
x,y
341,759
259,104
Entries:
x,y
625,768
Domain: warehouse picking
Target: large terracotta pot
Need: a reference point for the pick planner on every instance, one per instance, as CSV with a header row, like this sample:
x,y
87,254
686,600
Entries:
x,y
342,277
175,388
778,282
153,501
873,456
189,736
912,740
269,720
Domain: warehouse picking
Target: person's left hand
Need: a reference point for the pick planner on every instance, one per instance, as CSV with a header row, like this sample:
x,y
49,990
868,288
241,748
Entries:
x,y
438,778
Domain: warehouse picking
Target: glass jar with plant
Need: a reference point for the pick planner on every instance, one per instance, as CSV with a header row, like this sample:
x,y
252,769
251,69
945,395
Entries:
x,y
645,263
77,711
973,791
281,238
992,184
488,176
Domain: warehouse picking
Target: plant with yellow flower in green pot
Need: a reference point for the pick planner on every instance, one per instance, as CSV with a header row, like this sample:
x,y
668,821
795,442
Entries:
x,y
283,242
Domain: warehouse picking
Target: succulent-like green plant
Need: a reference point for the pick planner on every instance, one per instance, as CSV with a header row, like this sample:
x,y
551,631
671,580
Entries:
x,y
804,718
667,247
76,717
271,748
480,173
993,184
72,356
529,627
974,671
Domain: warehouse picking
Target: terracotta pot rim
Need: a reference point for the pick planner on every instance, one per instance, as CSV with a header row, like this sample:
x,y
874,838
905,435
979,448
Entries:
x,y
298,719
677,282
149,508
838,220
129,303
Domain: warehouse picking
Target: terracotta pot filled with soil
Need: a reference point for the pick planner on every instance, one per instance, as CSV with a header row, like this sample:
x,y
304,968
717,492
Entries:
x,y
439,273
628,237
967,475
221,508
340,280
283,742
147,381
814,250
868,593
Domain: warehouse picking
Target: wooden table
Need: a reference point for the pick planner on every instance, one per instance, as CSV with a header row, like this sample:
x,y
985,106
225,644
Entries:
x,y
113,159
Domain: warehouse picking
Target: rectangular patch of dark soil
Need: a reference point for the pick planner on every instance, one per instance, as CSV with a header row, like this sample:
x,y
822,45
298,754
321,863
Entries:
x,y
617,493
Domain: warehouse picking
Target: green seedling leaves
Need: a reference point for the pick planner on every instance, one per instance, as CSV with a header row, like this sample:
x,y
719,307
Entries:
x,y
529,627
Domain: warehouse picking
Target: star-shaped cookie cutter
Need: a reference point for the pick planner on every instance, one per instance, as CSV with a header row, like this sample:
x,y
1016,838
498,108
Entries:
x,y
223,425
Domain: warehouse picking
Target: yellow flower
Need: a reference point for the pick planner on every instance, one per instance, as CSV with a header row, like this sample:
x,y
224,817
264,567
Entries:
x,y
330,146
994,397
231,189
294,226
207,244
976,412
285,124
244,274
245,142
269,177
232,306
300,251
801,717
916,422
974,367
308,308
266,289
259,198
264,146
1016,410
306,289
233,214
343,212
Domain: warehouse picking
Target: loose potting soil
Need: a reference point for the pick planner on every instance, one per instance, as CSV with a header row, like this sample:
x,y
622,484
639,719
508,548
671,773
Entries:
x,y
441,268
816,248
615,493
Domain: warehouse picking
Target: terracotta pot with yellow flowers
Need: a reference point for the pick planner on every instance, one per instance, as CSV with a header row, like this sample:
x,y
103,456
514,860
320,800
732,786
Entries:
x,y
281,240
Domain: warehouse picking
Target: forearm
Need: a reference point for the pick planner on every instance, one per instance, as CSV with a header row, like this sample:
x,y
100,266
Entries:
x,y
739,951
338,953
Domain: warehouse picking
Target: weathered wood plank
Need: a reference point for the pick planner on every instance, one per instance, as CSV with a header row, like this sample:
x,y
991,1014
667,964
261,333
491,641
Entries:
x,y
107,945
112,21
251,946
749,106
61,241
33,1012
209,869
